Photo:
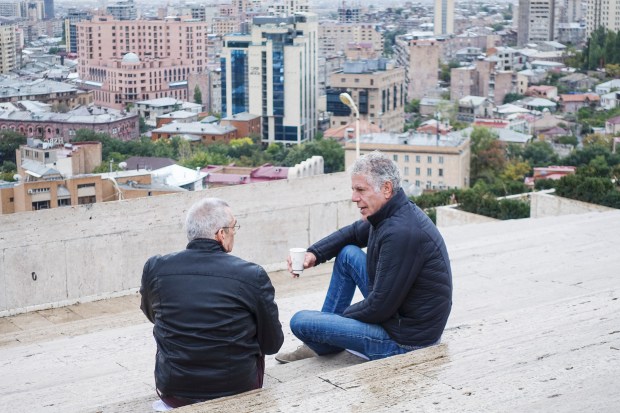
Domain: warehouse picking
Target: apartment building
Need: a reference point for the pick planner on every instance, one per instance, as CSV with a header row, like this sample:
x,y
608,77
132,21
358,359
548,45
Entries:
x,y
335,37
536,21
8,55
482,79
67,159
123,10
130,60
604,13
421,60
426,161
377,87
273,73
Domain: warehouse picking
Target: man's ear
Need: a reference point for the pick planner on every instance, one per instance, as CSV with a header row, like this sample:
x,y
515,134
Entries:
x,y
388,189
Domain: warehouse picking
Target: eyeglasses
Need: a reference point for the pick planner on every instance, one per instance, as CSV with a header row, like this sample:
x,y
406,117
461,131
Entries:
x,y
235,228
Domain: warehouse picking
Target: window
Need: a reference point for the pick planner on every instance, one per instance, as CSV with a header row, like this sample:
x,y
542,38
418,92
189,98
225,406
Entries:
x,y
429,172
417,158
417,171
440,172
406,170
441,159
395,158
429,159
406,158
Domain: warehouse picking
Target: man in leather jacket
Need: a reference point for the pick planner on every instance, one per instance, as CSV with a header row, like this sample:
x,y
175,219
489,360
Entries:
x,y
214,314
404,277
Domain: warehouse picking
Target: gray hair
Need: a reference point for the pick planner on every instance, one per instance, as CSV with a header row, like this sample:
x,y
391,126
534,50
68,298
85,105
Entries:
x,y
206,217
378,169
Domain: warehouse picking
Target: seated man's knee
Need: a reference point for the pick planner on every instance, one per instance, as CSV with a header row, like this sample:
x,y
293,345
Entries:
x,y
299,321
349,251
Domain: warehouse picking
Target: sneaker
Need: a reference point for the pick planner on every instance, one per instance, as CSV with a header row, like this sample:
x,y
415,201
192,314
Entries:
x,y
161,406
302,352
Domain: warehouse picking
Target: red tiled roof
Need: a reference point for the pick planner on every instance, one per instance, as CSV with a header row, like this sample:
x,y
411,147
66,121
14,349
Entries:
x,y
580,97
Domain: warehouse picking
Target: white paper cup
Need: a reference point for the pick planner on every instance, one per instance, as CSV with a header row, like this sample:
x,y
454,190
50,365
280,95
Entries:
x,y
298,255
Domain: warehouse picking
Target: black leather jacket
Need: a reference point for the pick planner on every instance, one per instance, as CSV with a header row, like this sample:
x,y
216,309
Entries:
x,y
410,280
214,314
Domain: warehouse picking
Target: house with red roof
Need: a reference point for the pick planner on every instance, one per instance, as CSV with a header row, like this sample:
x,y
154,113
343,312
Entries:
x,y
572,103
612,126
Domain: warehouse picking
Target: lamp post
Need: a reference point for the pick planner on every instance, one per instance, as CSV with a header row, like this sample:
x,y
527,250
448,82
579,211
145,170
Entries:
x,y
348,100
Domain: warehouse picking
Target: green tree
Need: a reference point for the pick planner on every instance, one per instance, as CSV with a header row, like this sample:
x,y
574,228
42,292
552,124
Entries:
x,y
9,143
539,153
413,106
331,151
197,95
487,154
512,97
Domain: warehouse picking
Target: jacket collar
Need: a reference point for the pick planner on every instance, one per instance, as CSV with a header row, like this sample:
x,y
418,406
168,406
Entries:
x,y
389,208
204,244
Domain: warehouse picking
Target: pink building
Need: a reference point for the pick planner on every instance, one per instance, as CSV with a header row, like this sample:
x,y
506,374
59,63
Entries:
x,y
124,61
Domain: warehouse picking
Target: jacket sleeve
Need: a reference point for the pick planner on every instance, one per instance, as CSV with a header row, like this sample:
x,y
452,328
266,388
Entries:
x,y
146,291
268,328
354,234
400,261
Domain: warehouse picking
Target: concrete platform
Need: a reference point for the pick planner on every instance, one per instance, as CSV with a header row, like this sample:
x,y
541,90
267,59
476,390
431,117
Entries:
x,y
535,327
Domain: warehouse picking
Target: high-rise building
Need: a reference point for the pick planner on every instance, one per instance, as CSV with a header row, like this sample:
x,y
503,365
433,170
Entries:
x,y
74,16
272,72
536,21
604,13
49,9
132,60
444,17
8,56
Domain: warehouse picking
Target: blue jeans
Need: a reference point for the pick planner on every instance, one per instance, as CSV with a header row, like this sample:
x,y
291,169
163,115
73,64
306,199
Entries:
x,y
327,331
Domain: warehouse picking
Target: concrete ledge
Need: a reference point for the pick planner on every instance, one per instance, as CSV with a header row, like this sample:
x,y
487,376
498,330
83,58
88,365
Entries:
x,y
62,256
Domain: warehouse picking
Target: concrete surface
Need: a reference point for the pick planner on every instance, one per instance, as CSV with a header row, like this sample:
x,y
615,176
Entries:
x,y
535,327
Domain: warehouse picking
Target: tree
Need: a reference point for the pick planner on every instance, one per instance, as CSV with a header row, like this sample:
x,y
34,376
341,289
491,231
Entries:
x,y
598,139
413,106
539,153
9,143
197,95
512,97
487,154
516,171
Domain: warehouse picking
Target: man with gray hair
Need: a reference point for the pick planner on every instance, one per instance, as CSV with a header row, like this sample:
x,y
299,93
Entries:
x,y
404,277
214,314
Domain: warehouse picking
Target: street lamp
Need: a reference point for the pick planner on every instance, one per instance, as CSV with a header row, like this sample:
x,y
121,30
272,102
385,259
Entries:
x,y
348,100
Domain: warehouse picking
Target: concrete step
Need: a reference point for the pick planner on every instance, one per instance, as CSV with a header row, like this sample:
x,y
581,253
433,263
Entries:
x,y
534,327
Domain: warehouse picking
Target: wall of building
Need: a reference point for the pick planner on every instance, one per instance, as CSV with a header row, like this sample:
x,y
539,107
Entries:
x,y
82,253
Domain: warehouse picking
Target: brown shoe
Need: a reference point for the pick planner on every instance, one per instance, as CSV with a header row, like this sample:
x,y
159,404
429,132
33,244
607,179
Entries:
x,y
302,352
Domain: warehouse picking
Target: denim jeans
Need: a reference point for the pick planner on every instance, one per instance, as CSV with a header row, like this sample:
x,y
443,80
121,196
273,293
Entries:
x,y
327,331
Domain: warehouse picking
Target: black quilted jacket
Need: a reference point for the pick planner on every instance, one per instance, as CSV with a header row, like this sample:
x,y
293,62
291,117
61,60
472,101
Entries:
x,y
410,280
